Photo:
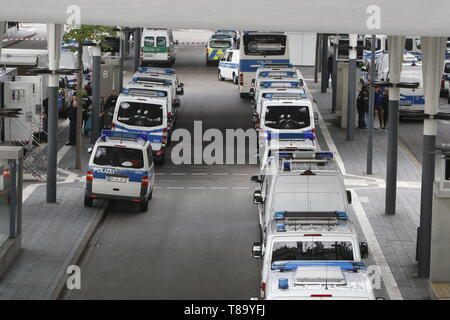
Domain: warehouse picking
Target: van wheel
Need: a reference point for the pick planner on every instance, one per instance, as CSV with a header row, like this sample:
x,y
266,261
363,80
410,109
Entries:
x,y
448,99
235,78
220,76
150,195
88,201
143,206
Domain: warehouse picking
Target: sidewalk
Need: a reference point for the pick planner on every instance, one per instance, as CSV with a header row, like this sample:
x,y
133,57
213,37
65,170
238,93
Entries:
x,y
394,235
53,235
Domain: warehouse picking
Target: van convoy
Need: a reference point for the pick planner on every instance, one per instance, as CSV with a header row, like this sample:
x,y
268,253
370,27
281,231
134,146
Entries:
x,y
157,46
307,242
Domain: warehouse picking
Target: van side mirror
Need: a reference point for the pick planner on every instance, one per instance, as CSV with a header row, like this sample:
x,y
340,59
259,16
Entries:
x,y
89,150
257,198
349,196
257,250
180,89
255,117
176,42
255,179
364,248
253,82
251,93
316,117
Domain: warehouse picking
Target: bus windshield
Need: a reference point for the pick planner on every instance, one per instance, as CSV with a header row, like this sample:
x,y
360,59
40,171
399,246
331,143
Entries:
x,y
264,45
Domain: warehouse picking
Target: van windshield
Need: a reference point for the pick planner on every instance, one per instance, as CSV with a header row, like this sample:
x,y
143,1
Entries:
x,y
219,44
312,250
265,45
287,117
119,157
140,114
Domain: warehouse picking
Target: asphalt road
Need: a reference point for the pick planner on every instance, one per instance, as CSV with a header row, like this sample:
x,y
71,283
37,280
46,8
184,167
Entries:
x,y
195,240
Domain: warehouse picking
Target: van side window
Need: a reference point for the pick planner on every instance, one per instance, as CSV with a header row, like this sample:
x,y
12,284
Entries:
x,y
230,56
161,42
150,156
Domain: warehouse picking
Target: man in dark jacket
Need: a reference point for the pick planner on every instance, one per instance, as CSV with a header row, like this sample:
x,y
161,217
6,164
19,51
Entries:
x,y
109,108
362,105
72,113
385,104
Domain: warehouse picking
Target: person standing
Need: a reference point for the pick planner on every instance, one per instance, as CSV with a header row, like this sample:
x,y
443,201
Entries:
x,y
330,63
385,104
378,106
72,113
362,105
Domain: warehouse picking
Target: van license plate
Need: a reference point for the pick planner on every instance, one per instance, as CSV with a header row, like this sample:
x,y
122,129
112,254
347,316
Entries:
x,y
117,179
148,55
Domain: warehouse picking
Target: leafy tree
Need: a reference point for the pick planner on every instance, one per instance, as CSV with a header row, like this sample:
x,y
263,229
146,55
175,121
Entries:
x,y
77,37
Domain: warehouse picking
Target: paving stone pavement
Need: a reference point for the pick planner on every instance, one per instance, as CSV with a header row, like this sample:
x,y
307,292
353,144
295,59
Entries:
x,y
396,234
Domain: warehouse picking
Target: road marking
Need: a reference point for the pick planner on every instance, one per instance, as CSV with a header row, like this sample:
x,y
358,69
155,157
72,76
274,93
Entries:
x,y
386,273
178,174
241,188
220,174
61,153
219,188
375,249
240,174
198,174
197,188
176,188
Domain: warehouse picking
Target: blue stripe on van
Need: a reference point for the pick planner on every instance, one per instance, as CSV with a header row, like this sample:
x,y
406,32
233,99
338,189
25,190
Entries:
x,y
134,175
156,137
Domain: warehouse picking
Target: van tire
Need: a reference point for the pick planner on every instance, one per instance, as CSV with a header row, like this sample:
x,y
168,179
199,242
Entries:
x,y
143,206
235,78
88,201
220,76
448,99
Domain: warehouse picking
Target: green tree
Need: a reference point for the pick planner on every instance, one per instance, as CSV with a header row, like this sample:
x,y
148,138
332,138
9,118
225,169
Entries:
x,y
77,37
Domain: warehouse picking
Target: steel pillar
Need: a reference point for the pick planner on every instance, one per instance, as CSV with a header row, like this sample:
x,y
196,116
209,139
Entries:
x,y
351,103
371,107
54,36
95,116
396,45
433,50
324,74
334,76
137,48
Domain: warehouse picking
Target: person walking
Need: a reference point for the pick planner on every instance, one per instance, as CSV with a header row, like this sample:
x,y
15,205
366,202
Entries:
x,y
72,113
362,105
330,63
109,108
378,106
385,104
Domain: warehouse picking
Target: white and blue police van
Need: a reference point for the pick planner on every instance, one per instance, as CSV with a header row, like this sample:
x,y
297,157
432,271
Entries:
x,y
155,89
141,114
164,76
313,255
445,81
228,68
120,168
287,70
285,117
298,181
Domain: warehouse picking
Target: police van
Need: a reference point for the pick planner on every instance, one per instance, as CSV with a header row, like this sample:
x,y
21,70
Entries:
x,y
274,82
313,255
140,114
299,181
120,168
445,81
155,89
157,47
216,47
274,70
165,76
285,116
228,68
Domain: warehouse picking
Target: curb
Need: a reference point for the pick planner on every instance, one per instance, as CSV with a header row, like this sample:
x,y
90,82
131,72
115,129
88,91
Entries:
x,y
60,289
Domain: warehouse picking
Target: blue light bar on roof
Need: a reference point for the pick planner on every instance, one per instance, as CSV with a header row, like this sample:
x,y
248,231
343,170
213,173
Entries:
x,y
122,135
293,265
268,84
292,136
146,69
324,154
342,215
267,73
279,215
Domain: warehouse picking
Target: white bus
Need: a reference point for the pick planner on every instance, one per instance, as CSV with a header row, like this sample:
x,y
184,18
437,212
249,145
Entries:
x,y
257,49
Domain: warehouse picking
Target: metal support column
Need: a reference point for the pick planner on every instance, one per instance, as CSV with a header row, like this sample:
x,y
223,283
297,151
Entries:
x,y
433,50
126,43
334,75
396,45
2,31
96,103
324,74
317,57
137,48
351,103
371,107
121,52
54,36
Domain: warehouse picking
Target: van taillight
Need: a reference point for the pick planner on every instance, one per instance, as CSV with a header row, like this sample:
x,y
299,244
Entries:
x,y
164,136
7,173
321,296
113,125
144,181
313,130
241,79
142,53
263,286
89,175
